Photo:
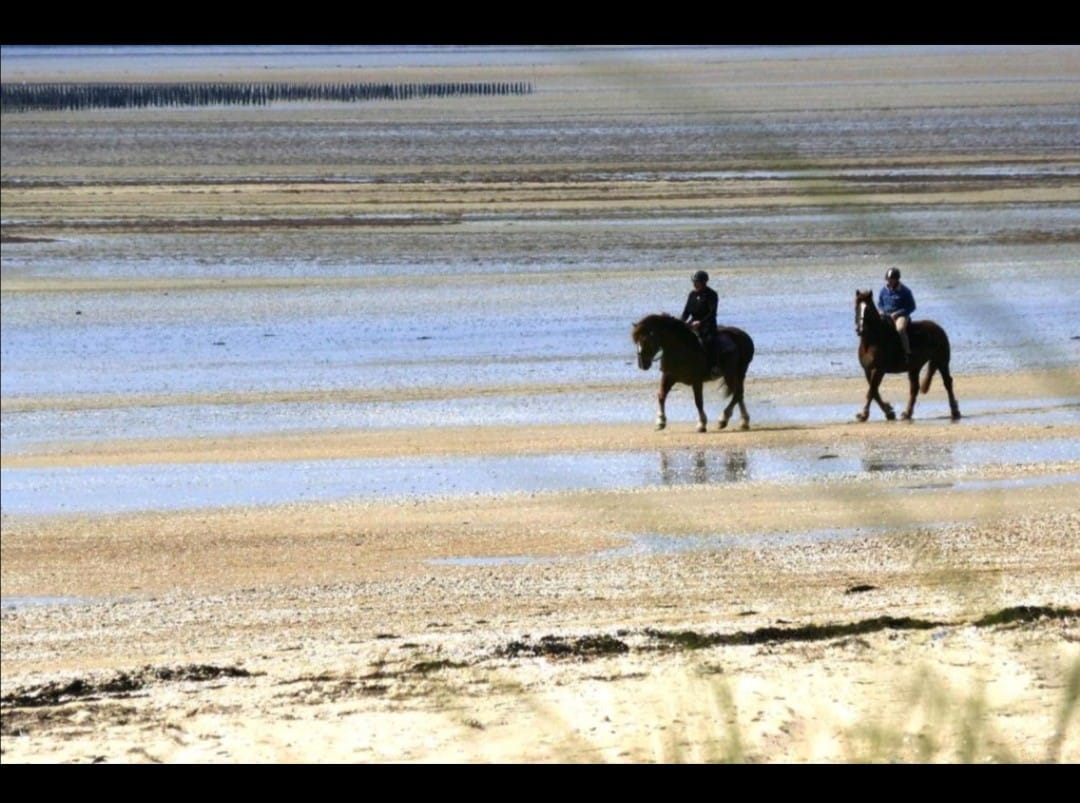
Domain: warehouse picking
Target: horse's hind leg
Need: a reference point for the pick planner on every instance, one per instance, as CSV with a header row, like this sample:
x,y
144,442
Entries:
x,y
742,404
736,398
946,378
699,400
745,415
727,413
913,391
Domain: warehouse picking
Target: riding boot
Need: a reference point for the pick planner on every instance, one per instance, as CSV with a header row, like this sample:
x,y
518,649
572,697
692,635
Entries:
x,y
709,343
907,346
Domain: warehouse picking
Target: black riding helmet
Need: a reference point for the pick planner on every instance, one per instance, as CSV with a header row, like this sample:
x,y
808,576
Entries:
x,y
700,276
892,273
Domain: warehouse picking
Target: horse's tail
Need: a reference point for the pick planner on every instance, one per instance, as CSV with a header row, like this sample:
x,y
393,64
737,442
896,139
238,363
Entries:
x,y
924,388
734,373
938,360
748,353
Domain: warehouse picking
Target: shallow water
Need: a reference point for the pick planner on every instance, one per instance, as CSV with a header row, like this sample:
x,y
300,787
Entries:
x,y
23,430
508,300
177,487
570,329
170,58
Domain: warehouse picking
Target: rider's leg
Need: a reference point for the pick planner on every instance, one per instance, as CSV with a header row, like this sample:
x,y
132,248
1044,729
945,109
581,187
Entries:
x,y
901,329
709,342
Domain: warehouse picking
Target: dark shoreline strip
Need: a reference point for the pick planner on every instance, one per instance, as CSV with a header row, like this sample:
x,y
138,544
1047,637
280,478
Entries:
x,y
21,97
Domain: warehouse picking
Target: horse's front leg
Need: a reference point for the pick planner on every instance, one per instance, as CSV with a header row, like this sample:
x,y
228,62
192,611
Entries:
x,y
661,397
699,400
874,377
864,413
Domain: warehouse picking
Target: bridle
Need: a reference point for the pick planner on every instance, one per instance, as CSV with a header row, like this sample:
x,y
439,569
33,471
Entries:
x,y
862,301
647,350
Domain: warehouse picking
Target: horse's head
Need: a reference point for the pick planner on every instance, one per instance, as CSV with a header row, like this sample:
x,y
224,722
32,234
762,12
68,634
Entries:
x,y
647,340
864,300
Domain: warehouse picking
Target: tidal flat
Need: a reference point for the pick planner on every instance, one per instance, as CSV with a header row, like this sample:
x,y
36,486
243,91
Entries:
x,y
323,439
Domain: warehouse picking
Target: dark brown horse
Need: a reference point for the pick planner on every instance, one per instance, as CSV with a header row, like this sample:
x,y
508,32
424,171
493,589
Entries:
x,y
880,353
682,359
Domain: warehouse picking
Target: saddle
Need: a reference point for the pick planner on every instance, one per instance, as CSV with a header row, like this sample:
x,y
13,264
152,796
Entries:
x,y
913,329
718,350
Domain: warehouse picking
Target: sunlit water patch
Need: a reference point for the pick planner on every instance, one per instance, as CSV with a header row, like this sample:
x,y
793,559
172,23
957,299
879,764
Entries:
x,y
22,430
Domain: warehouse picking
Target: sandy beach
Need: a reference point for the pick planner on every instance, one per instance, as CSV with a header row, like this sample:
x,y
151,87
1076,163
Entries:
x,y
851,621
550,579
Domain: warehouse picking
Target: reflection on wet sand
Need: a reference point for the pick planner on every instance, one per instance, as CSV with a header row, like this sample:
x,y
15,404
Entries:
x,y
700,467
879,457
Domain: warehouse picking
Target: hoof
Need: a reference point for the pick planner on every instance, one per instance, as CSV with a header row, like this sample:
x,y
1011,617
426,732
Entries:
x,y
861,416
890,415
745,425
660,425
701,428
955,415
722,423
905,416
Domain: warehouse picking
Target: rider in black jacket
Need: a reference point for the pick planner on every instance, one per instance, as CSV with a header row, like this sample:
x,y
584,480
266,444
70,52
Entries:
x,y
700,313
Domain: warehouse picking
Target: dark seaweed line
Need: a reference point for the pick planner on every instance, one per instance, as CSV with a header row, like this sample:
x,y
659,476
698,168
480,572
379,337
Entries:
x,y
594,646
119,685
692,640
22,97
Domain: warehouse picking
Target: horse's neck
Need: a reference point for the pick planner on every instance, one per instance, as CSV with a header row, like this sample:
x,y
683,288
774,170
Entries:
x,y
672,336
879,329
872,322
677,347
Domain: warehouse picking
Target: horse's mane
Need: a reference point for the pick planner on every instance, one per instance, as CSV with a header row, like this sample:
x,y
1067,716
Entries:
x,y
668,324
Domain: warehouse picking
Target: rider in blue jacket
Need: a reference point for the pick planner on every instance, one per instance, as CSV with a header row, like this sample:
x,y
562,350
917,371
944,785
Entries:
x,y
896,301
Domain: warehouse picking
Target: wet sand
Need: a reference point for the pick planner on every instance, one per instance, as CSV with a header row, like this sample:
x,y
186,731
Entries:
x,y
894,614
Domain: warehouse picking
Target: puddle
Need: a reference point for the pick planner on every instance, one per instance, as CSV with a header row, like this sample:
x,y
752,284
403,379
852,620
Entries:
x,y
658,545
1017,482
199,485
17,603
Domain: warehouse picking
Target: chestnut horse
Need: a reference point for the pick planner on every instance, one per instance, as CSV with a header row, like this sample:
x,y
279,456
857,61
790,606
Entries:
x,y
880,353
682,359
